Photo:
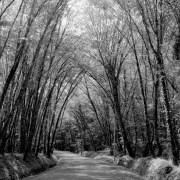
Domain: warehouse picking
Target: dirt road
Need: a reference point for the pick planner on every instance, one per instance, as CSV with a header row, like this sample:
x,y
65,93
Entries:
x,y
74,167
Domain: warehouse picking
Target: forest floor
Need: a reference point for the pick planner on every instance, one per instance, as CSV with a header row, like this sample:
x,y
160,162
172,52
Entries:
x,y
13,167
75,167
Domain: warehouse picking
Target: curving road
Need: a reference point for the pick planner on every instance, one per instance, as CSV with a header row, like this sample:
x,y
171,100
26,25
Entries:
x,y
74,167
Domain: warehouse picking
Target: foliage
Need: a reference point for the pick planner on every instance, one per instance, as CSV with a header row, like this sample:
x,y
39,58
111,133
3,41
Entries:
x,y
109,75
36,84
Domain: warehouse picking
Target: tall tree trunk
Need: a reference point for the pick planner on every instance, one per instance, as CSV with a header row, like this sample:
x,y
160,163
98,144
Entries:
x,y
173,134
156,96
119,116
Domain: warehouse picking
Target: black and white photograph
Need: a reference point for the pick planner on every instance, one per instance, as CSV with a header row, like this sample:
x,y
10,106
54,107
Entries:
x,y
90,89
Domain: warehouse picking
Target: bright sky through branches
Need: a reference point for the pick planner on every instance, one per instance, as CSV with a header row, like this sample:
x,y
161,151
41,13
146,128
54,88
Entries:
x,y
78,8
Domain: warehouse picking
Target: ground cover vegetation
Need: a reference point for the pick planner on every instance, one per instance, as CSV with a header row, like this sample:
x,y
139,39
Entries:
x,y
74,83
13,167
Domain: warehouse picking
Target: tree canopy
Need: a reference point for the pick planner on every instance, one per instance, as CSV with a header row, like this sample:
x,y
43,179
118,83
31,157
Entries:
x,y
84,75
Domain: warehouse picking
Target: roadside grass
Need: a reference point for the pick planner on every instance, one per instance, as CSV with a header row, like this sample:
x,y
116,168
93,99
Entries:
x,y
12,166
149,168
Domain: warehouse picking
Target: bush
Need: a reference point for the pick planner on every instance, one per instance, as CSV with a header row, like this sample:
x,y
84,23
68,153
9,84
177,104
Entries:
x,y
125,161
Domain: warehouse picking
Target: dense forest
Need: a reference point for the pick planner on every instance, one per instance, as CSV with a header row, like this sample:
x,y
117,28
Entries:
x,y
83,74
